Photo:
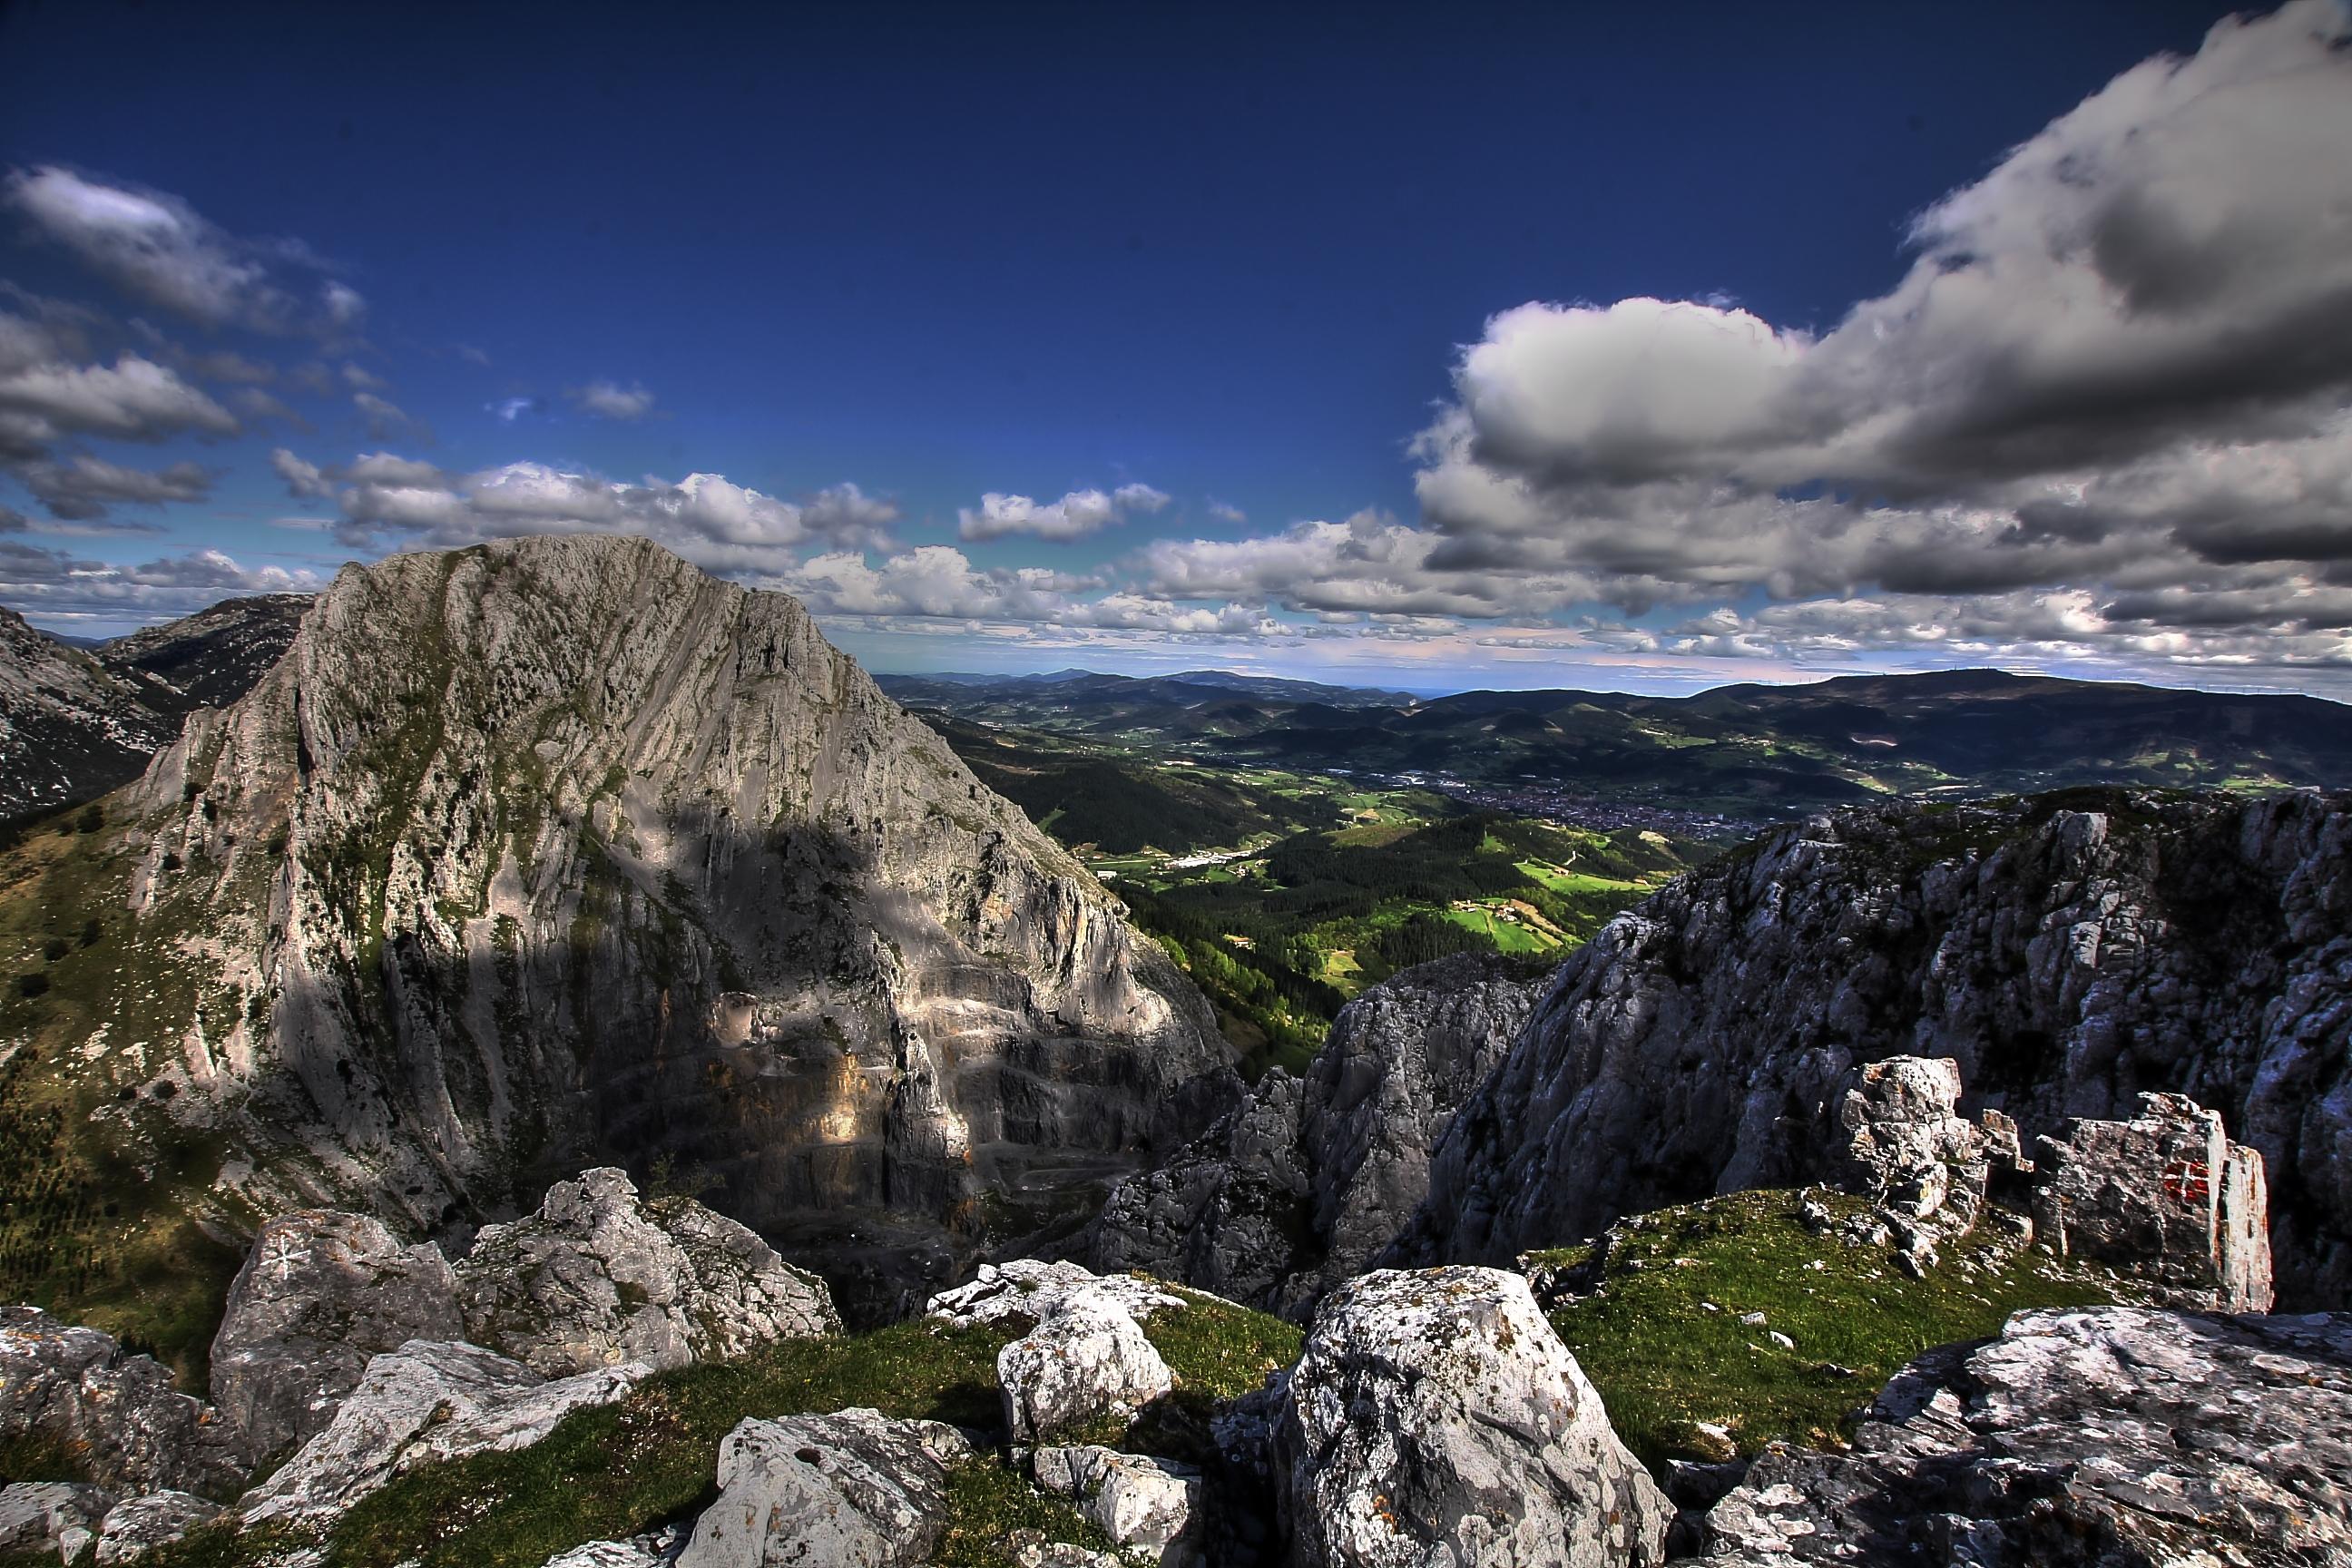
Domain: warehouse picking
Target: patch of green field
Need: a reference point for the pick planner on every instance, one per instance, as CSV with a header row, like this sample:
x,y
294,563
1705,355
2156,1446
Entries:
x,y
1663,1340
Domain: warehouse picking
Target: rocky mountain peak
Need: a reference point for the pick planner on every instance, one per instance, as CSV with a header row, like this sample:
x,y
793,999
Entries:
x,y
556,851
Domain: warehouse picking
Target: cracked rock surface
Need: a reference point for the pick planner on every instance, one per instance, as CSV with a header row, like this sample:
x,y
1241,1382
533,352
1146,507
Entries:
x,y
2110,1436
1436,1419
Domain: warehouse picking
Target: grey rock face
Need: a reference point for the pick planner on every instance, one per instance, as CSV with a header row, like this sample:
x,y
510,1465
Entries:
x,y
216,656
118,1413
35,1516
556,852
2164,1195
596,1279
855,1488
1149,1508
424,1401
321,1293
1087,1363
138,1525
1898,1134
1302,1185
2067,959
2108,1437
1434,1418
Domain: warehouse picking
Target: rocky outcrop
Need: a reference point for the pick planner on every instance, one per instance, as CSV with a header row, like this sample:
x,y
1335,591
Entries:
x,y
1434,1418
2165,1196
595,1279
2067,953
1088,1365
1149,1508
423,1402
321,1293
1302,1185
553,852
2108,1437
853,1488
129,1428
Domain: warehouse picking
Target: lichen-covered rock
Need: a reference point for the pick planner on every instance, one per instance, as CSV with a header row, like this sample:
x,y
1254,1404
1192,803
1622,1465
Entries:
x,y
855,1488
2068,952
1149,1508
2164,1197
424,1401
118,1413
1087,1365
321,1293
1302,1185
543,854
2078,1439
136,1526
1436,1419
596,1278
35,1516
1028,1288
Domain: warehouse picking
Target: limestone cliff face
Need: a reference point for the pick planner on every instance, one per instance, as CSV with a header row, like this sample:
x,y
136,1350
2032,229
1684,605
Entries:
x,y
1301,1185
556,851
2068,952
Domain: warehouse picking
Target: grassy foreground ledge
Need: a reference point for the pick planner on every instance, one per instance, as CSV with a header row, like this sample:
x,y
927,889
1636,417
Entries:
x,y
1664,1342
623,1468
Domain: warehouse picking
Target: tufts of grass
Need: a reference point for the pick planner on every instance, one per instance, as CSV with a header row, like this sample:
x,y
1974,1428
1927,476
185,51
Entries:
x,y
988,1501
1663,1340
613,1472
1218,1352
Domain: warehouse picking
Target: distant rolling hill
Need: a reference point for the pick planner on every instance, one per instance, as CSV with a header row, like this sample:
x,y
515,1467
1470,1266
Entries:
x,y
1751,749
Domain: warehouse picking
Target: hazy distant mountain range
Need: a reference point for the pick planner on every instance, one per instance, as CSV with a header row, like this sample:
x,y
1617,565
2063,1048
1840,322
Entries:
x,y
1754,749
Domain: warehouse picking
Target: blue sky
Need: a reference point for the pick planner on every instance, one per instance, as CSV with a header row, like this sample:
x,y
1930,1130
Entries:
x,y
1483,346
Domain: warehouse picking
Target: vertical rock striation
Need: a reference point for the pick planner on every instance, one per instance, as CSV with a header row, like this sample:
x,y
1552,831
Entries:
x,y
2066,953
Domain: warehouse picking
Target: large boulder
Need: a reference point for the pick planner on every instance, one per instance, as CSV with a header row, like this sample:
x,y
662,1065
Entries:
x,y
426,1401
1436,1418
2078,1439
136,1526
853,1489
321,1293
2164,1197
1088,1365
597,1277
1300,1186
1149,1508
117,1413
